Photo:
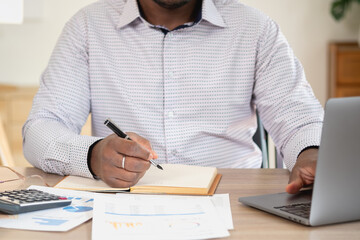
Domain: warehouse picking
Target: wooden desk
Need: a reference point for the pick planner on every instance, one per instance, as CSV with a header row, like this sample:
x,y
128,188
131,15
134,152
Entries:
x,y
249,223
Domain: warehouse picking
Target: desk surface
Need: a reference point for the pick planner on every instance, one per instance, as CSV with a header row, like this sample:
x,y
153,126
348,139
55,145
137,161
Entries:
x,y
249,223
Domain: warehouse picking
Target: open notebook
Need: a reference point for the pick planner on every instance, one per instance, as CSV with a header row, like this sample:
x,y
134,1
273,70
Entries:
x,y
174,179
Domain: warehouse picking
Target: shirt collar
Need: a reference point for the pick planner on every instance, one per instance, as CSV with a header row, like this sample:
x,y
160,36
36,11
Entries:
x,y
209,13
130,13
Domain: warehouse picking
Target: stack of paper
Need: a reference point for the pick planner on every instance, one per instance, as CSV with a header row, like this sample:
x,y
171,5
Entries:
x,y
134,216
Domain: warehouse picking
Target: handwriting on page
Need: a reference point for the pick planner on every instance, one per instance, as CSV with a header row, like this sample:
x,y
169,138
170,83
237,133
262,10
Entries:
x,y
118,225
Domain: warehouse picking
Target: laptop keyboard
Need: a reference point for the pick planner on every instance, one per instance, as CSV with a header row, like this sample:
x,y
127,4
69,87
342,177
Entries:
x,y
299,209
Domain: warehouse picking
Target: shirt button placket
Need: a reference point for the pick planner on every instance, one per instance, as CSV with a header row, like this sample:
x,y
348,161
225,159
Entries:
x,y
169,93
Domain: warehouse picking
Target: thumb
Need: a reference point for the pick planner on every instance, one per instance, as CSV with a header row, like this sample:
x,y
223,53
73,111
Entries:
x,y
295,185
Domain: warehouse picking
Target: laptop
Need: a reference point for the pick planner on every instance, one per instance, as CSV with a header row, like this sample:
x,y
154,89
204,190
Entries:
x,y
335,196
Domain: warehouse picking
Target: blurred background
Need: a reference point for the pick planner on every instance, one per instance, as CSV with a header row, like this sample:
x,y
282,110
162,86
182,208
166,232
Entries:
x,y
326,47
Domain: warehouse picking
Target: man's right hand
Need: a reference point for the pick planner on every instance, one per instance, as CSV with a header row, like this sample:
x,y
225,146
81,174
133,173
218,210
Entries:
x,y
107,155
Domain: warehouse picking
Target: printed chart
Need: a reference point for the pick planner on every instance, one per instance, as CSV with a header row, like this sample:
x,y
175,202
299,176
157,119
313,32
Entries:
x,y
136,216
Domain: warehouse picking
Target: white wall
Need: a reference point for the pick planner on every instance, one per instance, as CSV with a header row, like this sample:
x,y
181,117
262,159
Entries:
x,y
25,49
309,27
307,24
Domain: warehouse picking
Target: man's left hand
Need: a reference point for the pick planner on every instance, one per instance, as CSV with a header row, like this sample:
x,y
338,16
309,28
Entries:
x,y
303,173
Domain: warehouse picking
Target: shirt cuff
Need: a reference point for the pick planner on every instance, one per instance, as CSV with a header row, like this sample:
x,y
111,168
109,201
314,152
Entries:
x,y
79,155
309,147
89,159
308,136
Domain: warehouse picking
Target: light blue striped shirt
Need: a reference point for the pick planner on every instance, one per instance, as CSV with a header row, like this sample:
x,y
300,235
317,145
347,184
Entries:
x,y
191,92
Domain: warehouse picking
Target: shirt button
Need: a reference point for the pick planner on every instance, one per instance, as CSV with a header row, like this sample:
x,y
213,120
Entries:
x,y
171,114
171,74
174,152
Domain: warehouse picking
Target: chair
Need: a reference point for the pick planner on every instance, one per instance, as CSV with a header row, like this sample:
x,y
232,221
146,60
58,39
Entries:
x,y
6,158
260,138
270,156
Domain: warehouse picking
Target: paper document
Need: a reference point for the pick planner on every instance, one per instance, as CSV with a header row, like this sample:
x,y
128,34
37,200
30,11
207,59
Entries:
x,y
55,219
137,216
221,203
222,206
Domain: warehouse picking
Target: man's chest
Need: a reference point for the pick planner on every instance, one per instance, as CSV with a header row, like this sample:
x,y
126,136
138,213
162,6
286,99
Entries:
x,y
203,69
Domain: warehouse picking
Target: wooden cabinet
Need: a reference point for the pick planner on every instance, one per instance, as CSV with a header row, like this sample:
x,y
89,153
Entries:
x,y
344,70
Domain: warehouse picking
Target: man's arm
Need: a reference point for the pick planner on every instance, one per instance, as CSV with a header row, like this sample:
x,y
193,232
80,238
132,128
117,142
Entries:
x,y
287,106
284,99
51,137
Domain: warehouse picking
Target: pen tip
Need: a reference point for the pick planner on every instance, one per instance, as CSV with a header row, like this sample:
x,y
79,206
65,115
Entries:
x,y
159,167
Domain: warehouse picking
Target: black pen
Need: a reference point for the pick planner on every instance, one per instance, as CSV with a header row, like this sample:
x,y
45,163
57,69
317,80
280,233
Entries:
x,y
121,134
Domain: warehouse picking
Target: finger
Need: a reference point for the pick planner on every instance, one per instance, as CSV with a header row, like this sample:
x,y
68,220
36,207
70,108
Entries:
x,y
143,142
140,175
118,177
132,148
123,182
110,177
132,164
118,183
154,154
122,174
136,165
295,185
305,174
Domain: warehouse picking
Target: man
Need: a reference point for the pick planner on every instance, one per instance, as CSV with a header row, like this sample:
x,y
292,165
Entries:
x,y
185,77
